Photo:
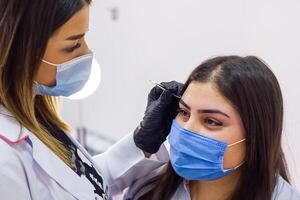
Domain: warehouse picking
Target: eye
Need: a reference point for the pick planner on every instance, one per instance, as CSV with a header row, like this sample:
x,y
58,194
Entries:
x,y
185,115
72,49
213,122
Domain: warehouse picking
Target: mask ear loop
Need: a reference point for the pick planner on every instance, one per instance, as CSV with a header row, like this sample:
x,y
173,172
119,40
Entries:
x,y
235,144
239,165
49,63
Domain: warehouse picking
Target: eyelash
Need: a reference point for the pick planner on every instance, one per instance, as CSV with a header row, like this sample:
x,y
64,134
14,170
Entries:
x,y
215,123
182,113
72,49
209,121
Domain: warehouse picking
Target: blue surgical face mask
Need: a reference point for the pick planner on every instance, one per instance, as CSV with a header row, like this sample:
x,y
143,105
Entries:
x,y
71,76
196,157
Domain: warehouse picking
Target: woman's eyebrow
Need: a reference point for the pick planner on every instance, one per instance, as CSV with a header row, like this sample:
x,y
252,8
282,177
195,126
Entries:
x,y
184,104
76,37
214,111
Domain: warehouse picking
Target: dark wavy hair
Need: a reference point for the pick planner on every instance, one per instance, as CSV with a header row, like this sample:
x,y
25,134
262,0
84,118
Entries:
x,y
253,90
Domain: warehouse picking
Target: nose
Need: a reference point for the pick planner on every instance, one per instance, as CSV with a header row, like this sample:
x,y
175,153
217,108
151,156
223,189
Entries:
x,y
192,124
85,48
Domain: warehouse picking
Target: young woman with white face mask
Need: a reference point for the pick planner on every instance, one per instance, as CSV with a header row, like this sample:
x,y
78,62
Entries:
x,y
44,55
225,142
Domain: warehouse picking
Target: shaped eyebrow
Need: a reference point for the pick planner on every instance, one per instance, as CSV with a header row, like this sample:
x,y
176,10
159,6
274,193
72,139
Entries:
x,y
214,111
76,37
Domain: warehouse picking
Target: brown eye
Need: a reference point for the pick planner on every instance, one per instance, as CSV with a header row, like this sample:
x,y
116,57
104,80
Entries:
x,y
183,114
72,49
212,122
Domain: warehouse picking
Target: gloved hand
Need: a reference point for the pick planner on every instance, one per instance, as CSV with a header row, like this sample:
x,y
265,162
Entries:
x,y
160,112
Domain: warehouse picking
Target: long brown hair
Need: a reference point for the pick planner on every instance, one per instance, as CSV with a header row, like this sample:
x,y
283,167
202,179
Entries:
x,y
25,28
253,89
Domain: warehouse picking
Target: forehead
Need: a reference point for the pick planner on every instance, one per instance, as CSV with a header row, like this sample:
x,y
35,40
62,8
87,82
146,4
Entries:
x,y
77,24
200,95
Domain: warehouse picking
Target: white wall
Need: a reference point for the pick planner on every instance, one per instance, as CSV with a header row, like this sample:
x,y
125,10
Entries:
x,y
165,39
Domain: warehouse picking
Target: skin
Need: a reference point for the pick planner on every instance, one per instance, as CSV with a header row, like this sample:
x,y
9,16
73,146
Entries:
x,y
61,48
197,98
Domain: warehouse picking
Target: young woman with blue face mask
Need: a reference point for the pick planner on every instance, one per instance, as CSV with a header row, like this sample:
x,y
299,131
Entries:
x,y
225,142
44,55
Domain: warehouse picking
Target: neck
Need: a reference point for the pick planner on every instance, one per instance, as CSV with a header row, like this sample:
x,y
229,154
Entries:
x,y
219,189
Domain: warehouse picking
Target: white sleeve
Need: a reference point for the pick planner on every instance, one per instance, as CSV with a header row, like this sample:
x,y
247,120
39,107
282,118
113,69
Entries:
x,y
13,182
124,163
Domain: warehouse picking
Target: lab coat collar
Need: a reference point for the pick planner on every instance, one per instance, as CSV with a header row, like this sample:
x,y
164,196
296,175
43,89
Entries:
x,y
11,132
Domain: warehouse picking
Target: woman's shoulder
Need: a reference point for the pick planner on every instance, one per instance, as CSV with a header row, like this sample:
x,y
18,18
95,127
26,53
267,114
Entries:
x,y
12,165
11,131
142,186
284,191
12,138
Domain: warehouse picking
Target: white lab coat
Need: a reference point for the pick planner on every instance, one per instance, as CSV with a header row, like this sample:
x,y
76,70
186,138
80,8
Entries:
x,y
29,170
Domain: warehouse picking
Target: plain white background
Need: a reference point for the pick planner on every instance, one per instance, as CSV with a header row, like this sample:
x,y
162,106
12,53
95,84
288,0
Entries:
x,y
138,40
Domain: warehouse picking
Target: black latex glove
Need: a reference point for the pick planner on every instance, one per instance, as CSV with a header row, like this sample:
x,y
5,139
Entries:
x,y
161,110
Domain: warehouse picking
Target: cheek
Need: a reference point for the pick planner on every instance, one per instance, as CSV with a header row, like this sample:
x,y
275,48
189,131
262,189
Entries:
x,y
54,52
234,155
46,75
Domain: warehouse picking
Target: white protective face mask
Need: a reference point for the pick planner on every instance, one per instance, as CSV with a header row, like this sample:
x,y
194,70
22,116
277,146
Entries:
x,y
71,76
